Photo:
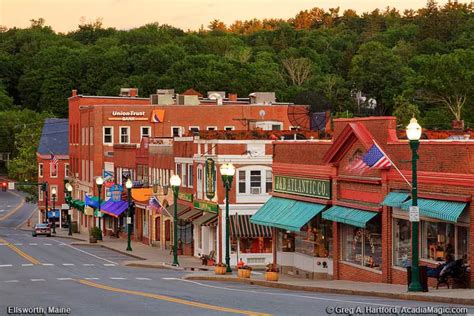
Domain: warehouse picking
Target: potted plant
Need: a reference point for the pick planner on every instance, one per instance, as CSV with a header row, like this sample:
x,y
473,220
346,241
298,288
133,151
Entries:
x,y
220,268
94,234
244,271
271,273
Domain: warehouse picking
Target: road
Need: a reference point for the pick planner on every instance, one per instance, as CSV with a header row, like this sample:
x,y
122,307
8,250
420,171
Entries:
x,y
47,272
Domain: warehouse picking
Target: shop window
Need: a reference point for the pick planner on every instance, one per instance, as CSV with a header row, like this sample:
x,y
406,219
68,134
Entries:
x,y
363,246
108,135
315,238
251,245
287,242
124,135
438,240
462,250
401,242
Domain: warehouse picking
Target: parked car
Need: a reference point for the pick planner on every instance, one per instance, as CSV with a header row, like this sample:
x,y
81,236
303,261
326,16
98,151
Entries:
x,y
42,229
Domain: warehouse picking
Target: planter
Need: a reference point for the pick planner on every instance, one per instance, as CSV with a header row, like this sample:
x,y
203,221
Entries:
x,y
210,262
220,270
271,276
244,273
92,240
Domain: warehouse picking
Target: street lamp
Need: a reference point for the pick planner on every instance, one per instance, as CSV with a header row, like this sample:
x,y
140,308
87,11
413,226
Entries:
x,y
227,173
99,181
175,182
414,133
129,185
53,195
69,193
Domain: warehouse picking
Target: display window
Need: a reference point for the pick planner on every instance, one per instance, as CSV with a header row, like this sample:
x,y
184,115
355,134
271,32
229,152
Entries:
x,y
251,245
440,239
401,242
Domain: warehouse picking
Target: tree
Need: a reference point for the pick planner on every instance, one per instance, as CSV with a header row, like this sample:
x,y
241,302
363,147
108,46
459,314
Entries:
x,y
6,101
404,111
297,69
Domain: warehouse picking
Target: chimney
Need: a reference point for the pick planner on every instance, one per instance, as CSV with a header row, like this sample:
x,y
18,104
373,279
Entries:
x,y
133,92
74,93
232,96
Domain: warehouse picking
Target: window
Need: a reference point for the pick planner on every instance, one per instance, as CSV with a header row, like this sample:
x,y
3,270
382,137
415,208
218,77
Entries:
x,y
438,240
190,176
40,194
401,242
255,181
40,170
229,128
91,136
242,181
294,128
124,135
53,169
176,131
178,169
145,131
276,127
268,181
184,177
66,170
108,132
363,246
315,238
194,129
212,128
51,187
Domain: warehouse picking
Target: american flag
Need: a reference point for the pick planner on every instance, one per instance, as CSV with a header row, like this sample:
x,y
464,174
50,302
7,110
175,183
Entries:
x,y
374,158
54,163
155,205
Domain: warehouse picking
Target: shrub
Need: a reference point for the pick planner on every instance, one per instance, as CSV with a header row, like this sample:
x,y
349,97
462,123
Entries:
x,y
95,232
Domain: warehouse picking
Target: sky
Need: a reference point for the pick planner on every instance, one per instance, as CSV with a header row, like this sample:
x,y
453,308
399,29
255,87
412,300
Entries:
x,y
66,15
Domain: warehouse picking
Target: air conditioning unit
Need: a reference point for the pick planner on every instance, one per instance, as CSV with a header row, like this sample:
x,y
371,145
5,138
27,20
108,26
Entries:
x,y
254,190
162,99
109,154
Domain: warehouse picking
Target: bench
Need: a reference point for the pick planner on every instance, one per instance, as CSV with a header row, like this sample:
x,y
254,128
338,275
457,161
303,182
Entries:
x,y
456,273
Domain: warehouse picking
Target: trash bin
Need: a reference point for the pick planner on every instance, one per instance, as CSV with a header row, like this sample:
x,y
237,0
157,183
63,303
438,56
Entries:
x,y
422,277
74,227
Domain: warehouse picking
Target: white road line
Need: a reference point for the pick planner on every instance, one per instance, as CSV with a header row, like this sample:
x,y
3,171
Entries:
x,y
47,264
88,264
11,281
5,265
280,294
26,264
63,279
109,264
37,280
33,244
118,278
47,244
91,278
144,279
18,244
68,264
83,251
2,244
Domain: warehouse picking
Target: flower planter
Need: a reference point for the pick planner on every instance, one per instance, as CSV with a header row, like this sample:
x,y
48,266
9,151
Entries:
x,y
210,262
271,276
220,270
244,273
92,240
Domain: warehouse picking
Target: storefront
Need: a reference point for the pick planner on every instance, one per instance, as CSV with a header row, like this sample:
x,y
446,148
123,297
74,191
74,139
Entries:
x,y
205,228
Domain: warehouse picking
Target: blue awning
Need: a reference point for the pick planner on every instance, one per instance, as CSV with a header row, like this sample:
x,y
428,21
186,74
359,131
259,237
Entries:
x,y
439,209
395,199
351,216
286,214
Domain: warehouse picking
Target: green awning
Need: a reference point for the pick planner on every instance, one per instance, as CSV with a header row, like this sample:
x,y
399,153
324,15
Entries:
x,y
286,214
444,210
346,215
395,199
78,204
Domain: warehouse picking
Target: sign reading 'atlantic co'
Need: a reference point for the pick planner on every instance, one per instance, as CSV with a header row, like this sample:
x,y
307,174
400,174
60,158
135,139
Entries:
x,y
128,116
302,186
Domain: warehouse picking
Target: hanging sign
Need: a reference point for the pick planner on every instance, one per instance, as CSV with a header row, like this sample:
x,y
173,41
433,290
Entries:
x,y
210,178
206,206
414,212
116,192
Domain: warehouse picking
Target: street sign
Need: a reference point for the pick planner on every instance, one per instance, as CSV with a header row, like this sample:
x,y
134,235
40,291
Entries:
x,y
129,220
64,206
414,213
11,185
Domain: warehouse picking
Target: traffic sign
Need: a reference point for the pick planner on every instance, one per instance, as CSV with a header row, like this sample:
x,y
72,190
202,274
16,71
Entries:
x,y
414,213
11,185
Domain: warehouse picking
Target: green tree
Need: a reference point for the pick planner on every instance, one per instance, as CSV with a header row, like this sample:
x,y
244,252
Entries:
x,y
404,111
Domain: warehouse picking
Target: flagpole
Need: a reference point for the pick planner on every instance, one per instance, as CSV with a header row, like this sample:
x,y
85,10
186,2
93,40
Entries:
x,y
393,164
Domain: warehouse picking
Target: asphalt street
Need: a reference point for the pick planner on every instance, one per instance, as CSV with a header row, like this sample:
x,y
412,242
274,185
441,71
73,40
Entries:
x,y
50,272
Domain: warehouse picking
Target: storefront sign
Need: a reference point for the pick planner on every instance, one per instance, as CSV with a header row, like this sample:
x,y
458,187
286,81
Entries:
x,y
414,212
210,178
116,192
302,186
128,116
206,206
185,196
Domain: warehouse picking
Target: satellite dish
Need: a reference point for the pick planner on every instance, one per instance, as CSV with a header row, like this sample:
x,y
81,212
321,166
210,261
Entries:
x,y
262,113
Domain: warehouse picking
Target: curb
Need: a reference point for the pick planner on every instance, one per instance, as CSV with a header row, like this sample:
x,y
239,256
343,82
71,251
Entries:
x,y
162,265
402,296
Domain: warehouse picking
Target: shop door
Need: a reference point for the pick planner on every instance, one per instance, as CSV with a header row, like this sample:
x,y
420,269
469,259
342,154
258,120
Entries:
x,y
167,233
158,228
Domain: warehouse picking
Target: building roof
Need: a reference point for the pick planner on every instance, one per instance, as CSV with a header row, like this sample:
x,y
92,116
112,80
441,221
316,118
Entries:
x,y
191,91
54,137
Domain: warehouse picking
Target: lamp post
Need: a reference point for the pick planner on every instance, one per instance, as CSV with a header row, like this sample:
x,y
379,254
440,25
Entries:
x,y
129,185
69,193
99,181
414,133
175,182
45,186
53,196
227,173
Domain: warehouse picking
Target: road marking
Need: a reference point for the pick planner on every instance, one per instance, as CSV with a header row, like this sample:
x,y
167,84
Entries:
x,y
68,264
38,280
26,264
47,244
33,244
11,281
91,278
109,264
115,278
171,299
48,264
15,209
144,279
18,244
5,265
83,251
63,279
2,244
21,253
88,264
170,279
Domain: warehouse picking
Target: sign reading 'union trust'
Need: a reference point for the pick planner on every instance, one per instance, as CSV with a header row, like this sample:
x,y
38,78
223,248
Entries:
x,y
302,186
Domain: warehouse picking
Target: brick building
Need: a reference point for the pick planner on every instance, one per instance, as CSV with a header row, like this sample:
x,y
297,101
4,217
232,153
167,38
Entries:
x,y
53,141
354,226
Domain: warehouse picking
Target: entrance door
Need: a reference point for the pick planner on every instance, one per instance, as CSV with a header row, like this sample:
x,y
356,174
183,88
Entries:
x,y
158,228
167,233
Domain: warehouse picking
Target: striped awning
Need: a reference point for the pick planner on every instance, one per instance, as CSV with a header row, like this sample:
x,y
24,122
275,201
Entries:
x,y
444,210
346,215
190,215
240,226
395,199
204,218
211,222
